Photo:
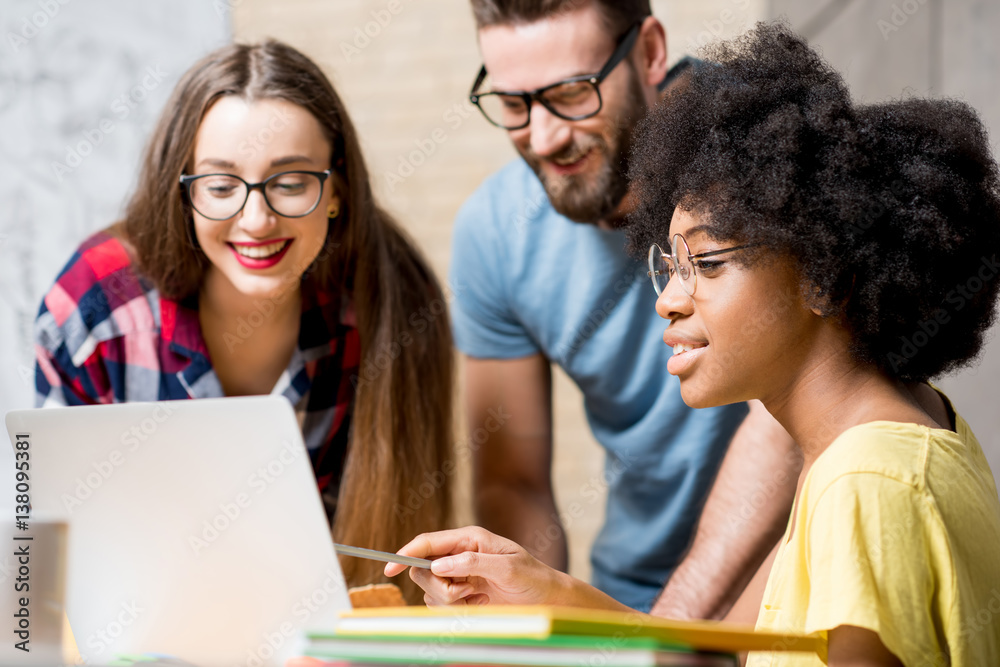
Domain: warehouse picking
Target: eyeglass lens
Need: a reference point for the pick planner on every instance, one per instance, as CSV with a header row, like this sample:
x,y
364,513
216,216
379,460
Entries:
x,y
659,268
571,100
681,254
662,267
291,194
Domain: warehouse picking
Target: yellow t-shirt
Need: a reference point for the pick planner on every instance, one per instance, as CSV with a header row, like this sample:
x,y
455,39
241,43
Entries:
x,y
896,530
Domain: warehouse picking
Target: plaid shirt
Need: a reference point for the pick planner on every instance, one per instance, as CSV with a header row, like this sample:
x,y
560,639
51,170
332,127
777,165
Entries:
x,y
105,335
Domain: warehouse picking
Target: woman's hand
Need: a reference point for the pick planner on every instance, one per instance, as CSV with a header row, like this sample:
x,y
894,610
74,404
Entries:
x,y
474,566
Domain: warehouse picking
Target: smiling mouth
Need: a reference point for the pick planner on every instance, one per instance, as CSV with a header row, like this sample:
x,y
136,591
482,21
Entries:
x,y
571,160
571,164
685,357
261,251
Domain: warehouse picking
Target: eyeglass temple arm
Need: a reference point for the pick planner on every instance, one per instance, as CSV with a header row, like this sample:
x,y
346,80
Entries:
x,y
479,81
713,253
623,49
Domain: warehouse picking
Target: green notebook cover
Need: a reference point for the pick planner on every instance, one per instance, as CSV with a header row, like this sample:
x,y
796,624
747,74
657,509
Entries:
x,y
554,641
493,622
554,651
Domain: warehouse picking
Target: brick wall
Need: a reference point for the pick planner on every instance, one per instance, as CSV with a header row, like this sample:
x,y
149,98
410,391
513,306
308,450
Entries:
x,y
404,68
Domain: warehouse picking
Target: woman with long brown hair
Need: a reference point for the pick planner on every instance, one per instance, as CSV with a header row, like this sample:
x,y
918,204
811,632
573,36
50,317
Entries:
x,y
253,259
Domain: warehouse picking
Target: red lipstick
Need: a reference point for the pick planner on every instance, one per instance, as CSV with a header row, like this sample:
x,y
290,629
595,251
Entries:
x,y
261,262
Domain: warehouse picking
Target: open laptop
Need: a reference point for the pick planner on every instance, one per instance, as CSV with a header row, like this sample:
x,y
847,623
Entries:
x,y
195,528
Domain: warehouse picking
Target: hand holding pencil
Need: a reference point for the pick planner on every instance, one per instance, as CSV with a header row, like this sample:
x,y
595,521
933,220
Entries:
x,y
473,566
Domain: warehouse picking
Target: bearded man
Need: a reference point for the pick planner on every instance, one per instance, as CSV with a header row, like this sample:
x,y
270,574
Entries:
x,y
545,280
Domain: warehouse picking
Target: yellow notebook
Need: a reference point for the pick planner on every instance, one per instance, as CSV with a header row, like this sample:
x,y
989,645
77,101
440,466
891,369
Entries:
x,y
541,622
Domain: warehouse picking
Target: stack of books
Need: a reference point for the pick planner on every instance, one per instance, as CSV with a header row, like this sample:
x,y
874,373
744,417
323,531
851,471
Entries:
x,y
540,636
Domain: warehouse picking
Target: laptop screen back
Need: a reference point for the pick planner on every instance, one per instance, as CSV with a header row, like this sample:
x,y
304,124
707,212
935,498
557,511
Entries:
x,y
195,528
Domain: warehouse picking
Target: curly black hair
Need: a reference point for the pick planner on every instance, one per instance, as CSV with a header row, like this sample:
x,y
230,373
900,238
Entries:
x,y
891,211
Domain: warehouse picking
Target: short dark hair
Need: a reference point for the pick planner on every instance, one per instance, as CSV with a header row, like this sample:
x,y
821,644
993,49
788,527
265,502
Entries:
x,y
891,211
619,15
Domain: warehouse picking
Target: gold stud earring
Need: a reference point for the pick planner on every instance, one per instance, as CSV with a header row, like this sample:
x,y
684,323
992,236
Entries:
x,y
333,210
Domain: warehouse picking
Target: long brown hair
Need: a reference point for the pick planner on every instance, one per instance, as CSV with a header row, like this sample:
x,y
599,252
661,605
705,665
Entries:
x,y
398,473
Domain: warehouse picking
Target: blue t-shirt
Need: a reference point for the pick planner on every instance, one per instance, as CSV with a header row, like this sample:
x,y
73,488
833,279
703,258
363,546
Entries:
x,y
527,280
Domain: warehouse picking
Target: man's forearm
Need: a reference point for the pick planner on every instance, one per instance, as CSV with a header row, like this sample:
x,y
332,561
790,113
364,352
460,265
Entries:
x,y
745,514
528,518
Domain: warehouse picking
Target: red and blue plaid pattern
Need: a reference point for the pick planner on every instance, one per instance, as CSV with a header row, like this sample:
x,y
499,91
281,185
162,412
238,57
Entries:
x,y
104,334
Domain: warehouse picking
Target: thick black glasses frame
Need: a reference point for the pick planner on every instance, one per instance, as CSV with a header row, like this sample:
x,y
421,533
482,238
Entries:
x,y
187,181
625,44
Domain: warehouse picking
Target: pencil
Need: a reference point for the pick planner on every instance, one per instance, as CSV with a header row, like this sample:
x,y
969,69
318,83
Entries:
x,y
384,556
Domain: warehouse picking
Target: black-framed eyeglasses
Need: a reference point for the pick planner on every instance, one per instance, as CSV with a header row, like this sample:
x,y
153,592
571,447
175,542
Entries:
x,y
290,194
681,262
575,98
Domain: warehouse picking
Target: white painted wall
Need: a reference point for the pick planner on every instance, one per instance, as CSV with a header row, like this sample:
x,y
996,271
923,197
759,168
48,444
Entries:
x,y
888,48
81,85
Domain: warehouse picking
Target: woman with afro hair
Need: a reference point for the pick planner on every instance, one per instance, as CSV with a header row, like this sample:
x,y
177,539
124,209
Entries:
x,y
829,260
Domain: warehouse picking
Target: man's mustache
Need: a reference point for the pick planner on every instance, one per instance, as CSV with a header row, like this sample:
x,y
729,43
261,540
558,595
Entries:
x,y
570,153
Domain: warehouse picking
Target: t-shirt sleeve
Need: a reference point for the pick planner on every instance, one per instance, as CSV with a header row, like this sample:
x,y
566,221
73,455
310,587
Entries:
x,y
484,321
870,556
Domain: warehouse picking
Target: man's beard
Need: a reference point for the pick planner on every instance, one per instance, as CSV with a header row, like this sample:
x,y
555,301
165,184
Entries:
x,y
591,199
